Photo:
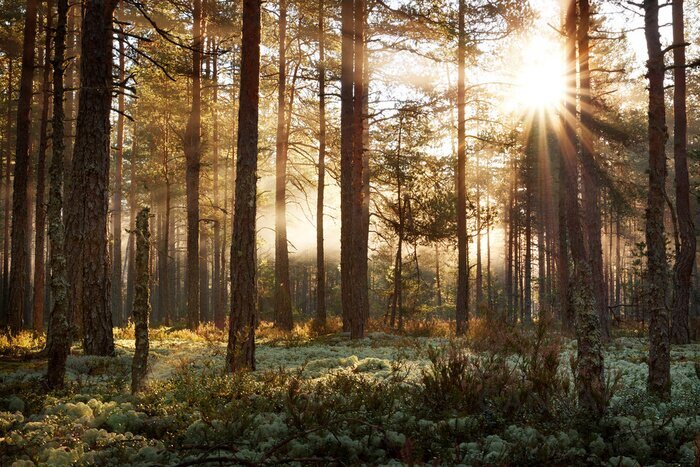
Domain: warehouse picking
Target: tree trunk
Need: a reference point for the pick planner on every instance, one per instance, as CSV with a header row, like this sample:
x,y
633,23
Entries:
x,y
131,246
142,305
88,195
683,269
7,209
193,155
58,339
241,341
462,310
117,305
591,191
40,209
320,255
283,300
659,344
589,374
19,272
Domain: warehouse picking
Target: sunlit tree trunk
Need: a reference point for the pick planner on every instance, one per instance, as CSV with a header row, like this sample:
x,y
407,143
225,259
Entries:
x,y
589,373
40,208
88,197
19,272
241,341
683,269
142,305
591,190
117,304
656,274
193,155
462,312
58,338
131,245
320,255
7,209
283,301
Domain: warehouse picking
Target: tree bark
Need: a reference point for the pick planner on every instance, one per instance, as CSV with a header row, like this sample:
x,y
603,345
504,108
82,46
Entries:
x,y
283,300
87,247
320,254
659,381
58,338
589,374
40,207
462,310
241,341
7,209
20,237
193,155
591,190
117,304
142,304
683,268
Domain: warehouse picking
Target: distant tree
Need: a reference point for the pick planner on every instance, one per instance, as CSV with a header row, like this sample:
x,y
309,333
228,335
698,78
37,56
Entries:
x,y
462,310
19,273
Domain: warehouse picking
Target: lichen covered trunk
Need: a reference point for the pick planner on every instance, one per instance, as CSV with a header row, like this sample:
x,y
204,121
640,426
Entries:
x,y
142,302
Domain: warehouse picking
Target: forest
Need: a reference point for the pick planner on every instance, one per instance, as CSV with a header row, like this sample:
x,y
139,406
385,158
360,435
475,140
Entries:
x,y
349,232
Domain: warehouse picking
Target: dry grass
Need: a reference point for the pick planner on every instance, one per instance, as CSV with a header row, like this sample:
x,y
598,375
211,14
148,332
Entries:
x,y
22,344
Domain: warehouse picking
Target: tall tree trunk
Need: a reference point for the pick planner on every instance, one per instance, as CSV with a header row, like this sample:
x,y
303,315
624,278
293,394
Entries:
x,y
529,193
204,310
40,209
438,285
117,305
142,305
131,245
562,260
58,338
462,310
88,195
589,375
283,300
320,255
7,209
19,272
193,155
346,158
216,303
241,340
591,191
656,275
683,269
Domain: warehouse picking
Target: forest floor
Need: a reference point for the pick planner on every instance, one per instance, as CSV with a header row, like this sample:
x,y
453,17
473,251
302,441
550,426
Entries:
x,y
501,397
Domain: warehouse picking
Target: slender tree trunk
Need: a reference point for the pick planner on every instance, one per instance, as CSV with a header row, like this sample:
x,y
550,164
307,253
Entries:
x,y
7,209
320,255
19,272
283,301
479,279
438,286
40,209
462,311
591,190
204,300
656,275
589,374
142,304
529,193
131,246
241,341
683,269
117,305
58,338
193,155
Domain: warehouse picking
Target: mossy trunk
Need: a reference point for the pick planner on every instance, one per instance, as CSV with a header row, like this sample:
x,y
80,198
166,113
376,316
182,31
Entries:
x,y
142,302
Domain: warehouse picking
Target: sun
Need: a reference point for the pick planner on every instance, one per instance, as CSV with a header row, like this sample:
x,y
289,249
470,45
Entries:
x,y
539,76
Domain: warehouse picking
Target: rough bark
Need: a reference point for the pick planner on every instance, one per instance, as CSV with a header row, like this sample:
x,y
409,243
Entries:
x,y
20,237
87,247
659,381
193,155
589,371
7,209
59,332
40,206
591,189
283,300
683,268
142,303
241,340
346,157
462,311
320,255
